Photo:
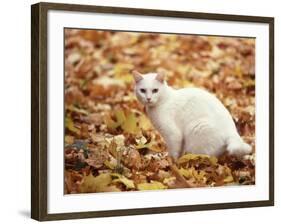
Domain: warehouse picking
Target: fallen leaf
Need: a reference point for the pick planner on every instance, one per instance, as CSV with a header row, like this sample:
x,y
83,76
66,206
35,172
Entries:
x,y
153,185
130,124
70,126
92,184
188,157
118,178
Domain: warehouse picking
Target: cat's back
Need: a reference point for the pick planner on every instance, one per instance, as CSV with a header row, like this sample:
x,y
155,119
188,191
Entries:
x,y
199,97
191,92
196,98
198,103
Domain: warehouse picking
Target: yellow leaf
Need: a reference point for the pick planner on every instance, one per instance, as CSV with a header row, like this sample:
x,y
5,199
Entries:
x,y
155,148
120,116
248,83
141,140
199,175
153,185
124,180
111,164
142,143
152,145
182,83
142,146
95,184
68,139
144,123
186,172
77,110
112,188
127,78
119,140
113,148
238,72
229,177
70,126
213,160
187,157
130,124
122,72
192,173
169,180
110,123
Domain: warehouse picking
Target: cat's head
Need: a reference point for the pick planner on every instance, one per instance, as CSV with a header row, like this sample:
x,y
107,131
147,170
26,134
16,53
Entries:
x,y
149,87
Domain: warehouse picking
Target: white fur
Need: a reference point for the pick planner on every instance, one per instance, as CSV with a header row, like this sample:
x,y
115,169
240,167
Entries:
x,y
190,119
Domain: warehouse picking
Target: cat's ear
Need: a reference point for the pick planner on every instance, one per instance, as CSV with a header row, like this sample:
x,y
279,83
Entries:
x,y
137,76
160,77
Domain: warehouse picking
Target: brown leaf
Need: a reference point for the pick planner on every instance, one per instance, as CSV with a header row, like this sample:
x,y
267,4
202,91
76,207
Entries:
x,y
133,159
97,157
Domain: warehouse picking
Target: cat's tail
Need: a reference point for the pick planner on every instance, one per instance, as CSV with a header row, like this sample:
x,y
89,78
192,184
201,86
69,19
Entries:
x,y
236,146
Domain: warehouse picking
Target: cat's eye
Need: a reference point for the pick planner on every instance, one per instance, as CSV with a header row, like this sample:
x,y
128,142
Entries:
x,y
154,90
143,90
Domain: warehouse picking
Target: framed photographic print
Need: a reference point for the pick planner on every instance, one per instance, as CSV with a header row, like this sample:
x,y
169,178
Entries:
x,y
139,111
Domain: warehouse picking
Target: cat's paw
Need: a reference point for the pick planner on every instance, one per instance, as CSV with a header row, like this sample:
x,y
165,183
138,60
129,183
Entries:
x,y
174,155
239,148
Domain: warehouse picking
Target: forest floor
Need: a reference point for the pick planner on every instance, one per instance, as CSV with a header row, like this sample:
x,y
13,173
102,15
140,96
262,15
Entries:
x,y
110,144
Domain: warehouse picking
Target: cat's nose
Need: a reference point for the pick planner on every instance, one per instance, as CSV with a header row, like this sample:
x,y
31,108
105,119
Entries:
x,y
148,99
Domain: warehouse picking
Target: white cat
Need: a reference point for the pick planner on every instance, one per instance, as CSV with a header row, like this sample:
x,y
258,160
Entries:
x,y
190,119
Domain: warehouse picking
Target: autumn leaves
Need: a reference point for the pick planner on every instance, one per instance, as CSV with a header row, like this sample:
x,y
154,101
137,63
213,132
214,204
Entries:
x,y
110,145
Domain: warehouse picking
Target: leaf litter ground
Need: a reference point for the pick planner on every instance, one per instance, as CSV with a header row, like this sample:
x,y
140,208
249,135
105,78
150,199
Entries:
x,y
110,145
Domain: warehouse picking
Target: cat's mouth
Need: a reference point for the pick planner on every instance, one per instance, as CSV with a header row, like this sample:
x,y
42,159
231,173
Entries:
x,y
150,103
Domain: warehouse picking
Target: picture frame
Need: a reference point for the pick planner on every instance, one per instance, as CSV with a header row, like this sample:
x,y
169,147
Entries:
x,y
42,86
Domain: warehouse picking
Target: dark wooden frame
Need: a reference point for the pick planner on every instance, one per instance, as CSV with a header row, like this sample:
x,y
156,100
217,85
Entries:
x,y
39,110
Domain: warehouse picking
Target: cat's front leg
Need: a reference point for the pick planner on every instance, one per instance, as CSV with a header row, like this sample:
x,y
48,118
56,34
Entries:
x,y
174,143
